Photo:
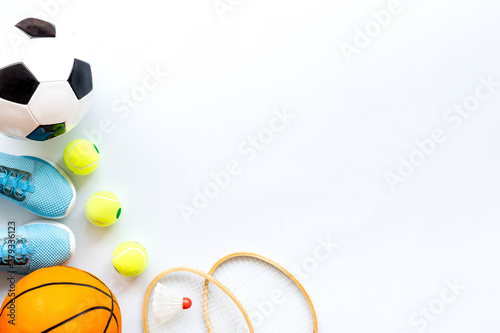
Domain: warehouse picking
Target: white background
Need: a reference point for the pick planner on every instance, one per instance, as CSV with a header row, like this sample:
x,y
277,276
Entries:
x,y
322,177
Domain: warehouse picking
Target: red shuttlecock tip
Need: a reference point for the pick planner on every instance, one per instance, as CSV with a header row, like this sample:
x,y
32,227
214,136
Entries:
x,y
186,303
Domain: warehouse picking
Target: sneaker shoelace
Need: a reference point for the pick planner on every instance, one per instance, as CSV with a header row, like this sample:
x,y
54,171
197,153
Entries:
x,y
20,249
16,184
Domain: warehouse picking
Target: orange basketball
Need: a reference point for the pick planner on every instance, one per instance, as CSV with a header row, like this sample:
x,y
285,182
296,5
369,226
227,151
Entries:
x,y
60,299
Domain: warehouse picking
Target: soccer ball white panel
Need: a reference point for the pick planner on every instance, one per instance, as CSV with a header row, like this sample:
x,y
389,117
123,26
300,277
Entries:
x,y
75,44
17,120
81,109
48,60
13,44
53,102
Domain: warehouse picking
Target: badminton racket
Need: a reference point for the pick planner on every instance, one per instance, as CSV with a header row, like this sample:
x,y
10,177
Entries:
x,y
180,300
273,298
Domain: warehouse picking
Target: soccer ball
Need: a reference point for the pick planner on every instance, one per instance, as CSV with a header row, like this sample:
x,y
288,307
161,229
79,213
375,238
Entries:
x,y
44,90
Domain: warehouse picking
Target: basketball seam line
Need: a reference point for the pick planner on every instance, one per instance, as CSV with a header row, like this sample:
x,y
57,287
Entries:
x,y
112,304
111,314
79,315
52,284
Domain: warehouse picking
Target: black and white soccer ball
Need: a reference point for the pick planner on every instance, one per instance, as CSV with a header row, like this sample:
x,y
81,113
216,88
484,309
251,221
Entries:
x,y
44,90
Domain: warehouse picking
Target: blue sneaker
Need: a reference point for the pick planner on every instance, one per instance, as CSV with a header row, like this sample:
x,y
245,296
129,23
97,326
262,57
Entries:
x,y
35,245
36,184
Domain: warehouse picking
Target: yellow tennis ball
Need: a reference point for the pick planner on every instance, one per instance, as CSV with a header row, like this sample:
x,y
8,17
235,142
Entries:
x,y
81,157
130,258
103,208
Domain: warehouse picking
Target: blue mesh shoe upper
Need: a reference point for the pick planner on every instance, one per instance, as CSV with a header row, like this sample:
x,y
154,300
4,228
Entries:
x,y
34,246
36,185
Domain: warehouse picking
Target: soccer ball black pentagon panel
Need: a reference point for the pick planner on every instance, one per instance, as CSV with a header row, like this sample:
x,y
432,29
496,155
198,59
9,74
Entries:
x,y
44,89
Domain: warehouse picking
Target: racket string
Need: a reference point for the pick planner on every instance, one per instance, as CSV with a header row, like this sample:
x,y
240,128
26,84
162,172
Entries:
x,y
272,299
224,314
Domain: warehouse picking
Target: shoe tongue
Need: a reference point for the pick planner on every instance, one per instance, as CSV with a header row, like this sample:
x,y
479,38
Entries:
x,y
7,169
22,184
21,252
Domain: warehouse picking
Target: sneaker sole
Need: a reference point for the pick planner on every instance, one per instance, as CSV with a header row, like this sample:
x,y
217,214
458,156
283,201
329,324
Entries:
x,y
72,240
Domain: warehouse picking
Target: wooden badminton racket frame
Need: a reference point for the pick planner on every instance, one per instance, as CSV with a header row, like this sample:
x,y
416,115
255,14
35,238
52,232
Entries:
x,y
208,278
272,263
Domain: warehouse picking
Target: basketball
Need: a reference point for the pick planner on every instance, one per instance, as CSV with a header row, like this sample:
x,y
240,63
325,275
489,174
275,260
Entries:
x,y
60,299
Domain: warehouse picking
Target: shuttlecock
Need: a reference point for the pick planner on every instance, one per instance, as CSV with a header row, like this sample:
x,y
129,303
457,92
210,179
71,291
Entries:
x,y
166,303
